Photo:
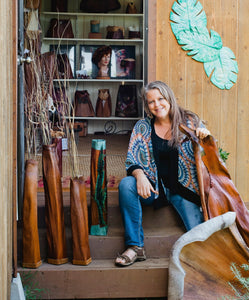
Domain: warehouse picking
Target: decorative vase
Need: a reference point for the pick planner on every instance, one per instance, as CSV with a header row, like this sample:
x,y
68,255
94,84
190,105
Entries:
x,y
98,184
79,222
54,213
31,245
94,26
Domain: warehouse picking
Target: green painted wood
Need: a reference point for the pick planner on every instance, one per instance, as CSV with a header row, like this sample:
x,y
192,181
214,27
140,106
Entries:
x,y
223,69
188,23
202,46
99,188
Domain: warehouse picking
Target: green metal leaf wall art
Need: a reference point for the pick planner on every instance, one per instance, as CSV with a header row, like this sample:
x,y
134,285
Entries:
x,y
189,27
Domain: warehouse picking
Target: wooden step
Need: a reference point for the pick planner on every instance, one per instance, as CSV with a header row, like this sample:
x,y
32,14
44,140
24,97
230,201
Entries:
x,y
160,218
102,279
164,217
158,243
161,229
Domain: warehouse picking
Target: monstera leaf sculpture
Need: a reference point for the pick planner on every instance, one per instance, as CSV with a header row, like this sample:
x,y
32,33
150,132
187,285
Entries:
x,y
189,27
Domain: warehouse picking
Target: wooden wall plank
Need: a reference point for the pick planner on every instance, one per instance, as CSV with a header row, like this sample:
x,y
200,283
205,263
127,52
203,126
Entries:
x,y
211,94
6,147
152,31
194,95
162,45
242,140
170,57
228,124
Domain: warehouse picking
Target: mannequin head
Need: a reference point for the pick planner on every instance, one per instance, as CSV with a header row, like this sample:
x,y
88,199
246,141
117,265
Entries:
x,y
101,58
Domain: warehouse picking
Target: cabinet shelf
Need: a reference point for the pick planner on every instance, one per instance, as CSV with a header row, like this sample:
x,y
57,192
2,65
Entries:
x,y
75,80
113,118
77,14
92,41
80,48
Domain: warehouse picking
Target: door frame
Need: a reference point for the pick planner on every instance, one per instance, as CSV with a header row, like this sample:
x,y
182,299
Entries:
x,y
14,137
18,115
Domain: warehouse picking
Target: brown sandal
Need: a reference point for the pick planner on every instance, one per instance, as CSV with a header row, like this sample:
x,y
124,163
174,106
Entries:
x,y
131,255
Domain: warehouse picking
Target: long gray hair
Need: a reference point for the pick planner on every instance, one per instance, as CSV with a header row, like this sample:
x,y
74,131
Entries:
x,y
177,114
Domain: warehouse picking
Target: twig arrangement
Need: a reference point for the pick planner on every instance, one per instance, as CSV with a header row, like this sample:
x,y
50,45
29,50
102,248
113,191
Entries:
x,y
68,115
40,108
36,104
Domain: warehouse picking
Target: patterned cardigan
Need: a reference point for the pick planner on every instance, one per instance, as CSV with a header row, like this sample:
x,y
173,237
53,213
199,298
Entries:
x,y
140,153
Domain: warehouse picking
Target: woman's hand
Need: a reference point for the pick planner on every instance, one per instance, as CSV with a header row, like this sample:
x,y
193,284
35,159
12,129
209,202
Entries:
x,y
202,132
144,187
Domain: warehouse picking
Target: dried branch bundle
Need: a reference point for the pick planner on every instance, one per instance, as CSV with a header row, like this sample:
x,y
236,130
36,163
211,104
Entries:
x,y
48,108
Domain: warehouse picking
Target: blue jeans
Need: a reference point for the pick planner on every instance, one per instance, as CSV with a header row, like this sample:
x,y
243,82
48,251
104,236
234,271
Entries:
x,y
131,210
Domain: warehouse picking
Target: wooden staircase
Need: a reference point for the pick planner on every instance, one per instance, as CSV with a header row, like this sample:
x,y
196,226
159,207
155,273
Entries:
x,y
101,278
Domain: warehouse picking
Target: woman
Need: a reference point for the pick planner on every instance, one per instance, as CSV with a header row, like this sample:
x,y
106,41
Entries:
x,y
101,58
160,168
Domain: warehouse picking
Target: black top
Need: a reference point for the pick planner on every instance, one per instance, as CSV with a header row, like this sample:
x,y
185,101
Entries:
x,y
166,159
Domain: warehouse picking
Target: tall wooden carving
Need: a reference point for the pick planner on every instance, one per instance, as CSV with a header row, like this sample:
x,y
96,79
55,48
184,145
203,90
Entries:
x,y
79,221
31,245
54,213
98,188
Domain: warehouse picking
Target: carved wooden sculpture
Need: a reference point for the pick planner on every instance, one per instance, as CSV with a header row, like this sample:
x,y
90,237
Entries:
x,y
54,213
218,192
79,221
98,188
31,245
200,262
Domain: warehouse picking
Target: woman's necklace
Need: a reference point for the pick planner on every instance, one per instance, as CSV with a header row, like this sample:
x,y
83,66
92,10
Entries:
x,y
163,131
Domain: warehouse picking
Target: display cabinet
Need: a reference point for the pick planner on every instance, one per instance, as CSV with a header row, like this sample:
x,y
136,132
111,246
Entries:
x,y
84,43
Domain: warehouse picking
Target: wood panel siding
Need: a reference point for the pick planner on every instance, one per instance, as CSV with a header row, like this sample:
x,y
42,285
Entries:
x,y
226,111
6,137
152,14
241,139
